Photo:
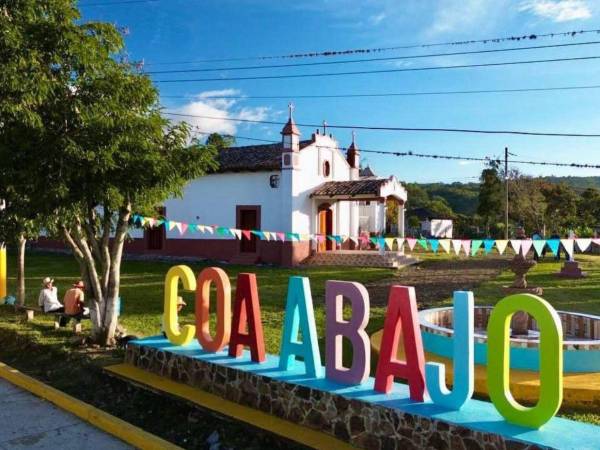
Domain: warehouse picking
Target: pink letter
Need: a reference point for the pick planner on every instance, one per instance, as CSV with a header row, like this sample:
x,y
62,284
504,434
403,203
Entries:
x,y
337,328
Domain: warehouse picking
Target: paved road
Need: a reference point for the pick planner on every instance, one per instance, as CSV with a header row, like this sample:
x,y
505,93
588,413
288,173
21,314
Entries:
x,y
27,421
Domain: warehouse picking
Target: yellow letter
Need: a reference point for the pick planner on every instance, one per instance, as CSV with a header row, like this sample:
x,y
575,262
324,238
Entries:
x,y
170,319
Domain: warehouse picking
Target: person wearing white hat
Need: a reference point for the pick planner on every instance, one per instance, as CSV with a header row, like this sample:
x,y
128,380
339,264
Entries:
x,y
48,299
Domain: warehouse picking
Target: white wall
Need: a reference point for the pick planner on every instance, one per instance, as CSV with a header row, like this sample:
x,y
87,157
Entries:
x,y
212,200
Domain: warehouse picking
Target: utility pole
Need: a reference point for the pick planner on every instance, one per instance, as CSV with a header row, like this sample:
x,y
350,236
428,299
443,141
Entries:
x,y
506,191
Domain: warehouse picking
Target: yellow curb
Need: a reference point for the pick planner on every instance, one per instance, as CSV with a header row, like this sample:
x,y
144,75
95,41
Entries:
x,y
255,417
119,428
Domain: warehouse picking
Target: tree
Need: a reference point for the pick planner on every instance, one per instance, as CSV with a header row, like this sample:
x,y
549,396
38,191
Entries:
x,y
588,208
561,210
490,197
100,148
220,141
527,204
440,208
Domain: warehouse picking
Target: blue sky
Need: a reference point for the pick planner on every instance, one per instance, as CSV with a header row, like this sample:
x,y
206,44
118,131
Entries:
x,y
183,30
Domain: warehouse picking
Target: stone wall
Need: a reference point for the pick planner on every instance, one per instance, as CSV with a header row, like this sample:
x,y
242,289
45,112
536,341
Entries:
x,y
363,424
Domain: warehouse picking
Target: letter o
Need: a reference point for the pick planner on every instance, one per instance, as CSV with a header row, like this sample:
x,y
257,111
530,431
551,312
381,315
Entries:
x,y
551,360
223,328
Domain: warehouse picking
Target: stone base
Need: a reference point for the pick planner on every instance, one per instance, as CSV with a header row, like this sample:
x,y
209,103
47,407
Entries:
x,y
528,290
354,414
571,270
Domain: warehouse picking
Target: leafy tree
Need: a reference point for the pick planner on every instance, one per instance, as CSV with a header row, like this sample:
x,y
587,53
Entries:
x,y
97,147
220,141
588,208
561,210
527,204
490,197
440,208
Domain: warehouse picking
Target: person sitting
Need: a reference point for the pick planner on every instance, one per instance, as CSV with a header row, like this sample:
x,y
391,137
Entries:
x,y
48,298
74,302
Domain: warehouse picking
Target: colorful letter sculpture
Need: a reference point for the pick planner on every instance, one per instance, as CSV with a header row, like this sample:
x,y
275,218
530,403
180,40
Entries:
x,y
463,364
401,318
170,318
551,360
337,328
223,328
246,314
299,315
2,271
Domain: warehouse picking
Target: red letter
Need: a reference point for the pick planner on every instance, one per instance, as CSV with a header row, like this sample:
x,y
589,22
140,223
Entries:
x,y
401,315
246,312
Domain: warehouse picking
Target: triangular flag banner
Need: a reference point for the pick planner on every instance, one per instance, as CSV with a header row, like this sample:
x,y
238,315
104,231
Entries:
x,y
210,229
183,228
466,245
281,236
475,245
237,233
411,243
568,246
305,237
445,244
596,241
331,237
488,244
434,244
516,245
259,234
353,239
583,244
293,236
142,221
538,246
400,242
456,246
373,239
553,245
150,221
201,228
389,242
247,234
159,222
267,235
192,227
423,243
136,218
501,245
526,245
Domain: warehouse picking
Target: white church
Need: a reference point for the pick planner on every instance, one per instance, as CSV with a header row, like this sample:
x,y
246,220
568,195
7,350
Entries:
x,y
296,186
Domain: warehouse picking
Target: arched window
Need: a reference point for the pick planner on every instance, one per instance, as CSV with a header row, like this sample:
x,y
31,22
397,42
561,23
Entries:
x,y
326,169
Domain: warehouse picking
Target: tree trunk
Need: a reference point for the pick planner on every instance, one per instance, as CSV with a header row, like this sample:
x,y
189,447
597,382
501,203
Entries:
x,y
21,270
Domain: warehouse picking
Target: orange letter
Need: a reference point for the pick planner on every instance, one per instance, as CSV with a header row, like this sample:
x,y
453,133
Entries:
x,y
220,278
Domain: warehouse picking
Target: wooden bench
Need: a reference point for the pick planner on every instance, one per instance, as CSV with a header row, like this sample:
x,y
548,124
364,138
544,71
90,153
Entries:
x,y
76,321
29,311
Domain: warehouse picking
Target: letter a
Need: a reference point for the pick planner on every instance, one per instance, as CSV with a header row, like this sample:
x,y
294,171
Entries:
x,y
401,316
435,373
354,329
299,315
246,312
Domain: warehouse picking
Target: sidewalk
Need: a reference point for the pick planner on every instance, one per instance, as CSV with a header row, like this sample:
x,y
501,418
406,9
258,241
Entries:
x,y
27,421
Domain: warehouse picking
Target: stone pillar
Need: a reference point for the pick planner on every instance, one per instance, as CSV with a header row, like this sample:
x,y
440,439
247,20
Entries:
x,y
382,207
401,230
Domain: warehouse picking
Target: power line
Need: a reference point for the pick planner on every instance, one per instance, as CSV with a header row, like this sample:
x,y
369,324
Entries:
x,y
426,155
381,128
389,94
367,60
334,53
368,72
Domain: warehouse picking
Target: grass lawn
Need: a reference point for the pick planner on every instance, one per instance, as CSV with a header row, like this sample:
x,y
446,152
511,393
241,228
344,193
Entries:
x,y
142,292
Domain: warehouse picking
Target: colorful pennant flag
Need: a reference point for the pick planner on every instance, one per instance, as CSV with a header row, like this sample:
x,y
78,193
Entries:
x,y
583,244
475,245
435,243
538,246
466,245
488,245
501,246
445,244
422,243
568,246
553,245
526,245
389,242
456,245
411,243
516,245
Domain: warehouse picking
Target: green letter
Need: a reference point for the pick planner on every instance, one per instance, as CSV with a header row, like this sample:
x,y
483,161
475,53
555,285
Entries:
x,y
551,360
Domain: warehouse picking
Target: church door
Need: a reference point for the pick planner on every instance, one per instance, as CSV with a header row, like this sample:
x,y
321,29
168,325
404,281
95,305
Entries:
x,y
325,227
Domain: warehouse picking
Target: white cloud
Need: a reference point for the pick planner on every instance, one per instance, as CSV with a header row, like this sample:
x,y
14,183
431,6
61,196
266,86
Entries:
x,y
220,110
376,19
463,16
558,10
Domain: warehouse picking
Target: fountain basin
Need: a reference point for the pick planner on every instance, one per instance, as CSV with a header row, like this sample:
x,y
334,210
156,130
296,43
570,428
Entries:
x,y
581,339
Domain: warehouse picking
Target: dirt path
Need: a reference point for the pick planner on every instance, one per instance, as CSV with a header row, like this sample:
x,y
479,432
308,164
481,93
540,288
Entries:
x,y
435,281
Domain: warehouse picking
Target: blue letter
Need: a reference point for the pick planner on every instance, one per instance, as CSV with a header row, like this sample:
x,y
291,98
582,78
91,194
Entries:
x,y
435,373
299,312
